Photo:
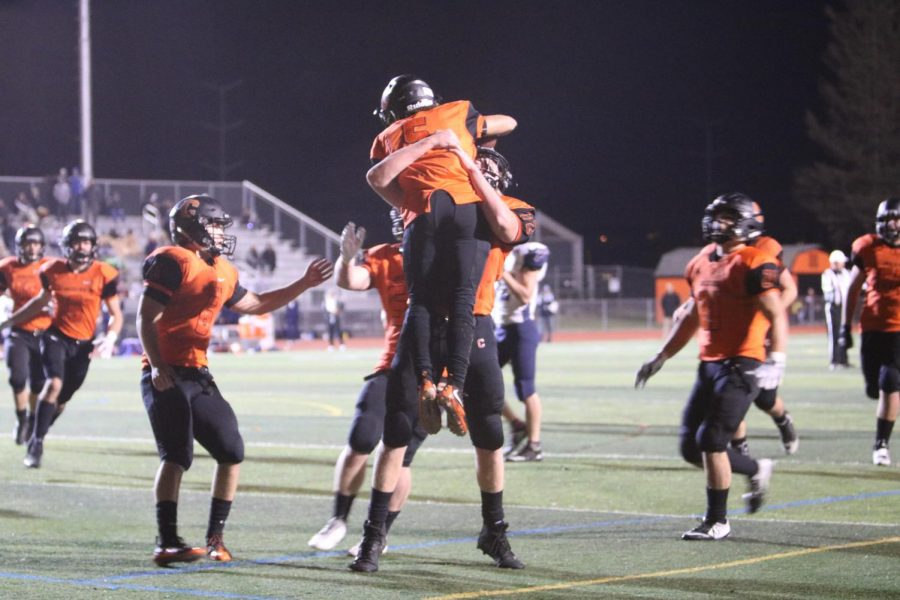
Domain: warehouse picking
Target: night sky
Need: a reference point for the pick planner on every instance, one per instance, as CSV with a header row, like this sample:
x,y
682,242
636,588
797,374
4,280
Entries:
x,y
614,100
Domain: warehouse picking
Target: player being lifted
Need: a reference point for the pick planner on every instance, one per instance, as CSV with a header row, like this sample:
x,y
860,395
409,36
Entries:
x,y
512,221
445,241
19,276
734,300
77,284
185,288
876,263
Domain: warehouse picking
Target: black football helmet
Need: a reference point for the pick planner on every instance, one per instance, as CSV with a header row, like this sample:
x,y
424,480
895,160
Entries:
x,y
27,234
396,224
74,232
403,96
495,168
743,213
888,211
191,222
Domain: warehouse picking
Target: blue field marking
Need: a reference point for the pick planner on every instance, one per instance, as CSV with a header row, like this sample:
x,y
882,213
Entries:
x,y
108,582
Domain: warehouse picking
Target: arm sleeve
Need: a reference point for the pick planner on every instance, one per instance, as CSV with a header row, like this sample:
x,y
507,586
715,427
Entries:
x,y
239,292
474,123
762,278
527,224
162,276
111,288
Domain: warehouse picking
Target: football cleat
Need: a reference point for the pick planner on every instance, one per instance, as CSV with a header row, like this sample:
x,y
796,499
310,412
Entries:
x,y
330,535
707,531
20,432
429,411
789,437
517,436
493,542
456,414
370,548
216,550
528,453
354,549
32,459
881,457
175,553
759,485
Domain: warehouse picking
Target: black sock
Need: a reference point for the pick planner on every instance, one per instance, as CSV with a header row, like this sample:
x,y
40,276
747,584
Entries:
x,y
883,429
391,517
740,463
43,419
738,443
218,513
20,416
781,420
342,505
492,507
716,505
167,522
378,507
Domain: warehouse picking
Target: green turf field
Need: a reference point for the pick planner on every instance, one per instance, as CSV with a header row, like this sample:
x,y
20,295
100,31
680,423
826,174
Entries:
x,y
600,517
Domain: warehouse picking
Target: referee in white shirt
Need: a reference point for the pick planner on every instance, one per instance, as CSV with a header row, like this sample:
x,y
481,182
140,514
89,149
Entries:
x,y
835,282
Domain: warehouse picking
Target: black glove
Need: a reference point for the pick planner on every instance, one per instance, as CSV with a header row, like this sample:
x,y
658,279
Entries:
x,y
845,339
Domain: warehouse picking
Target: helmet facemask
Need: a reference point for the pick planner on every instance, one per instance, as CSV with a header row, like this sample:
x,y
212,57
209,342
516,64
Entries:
x,y
887,221
495,168
396,224
29,244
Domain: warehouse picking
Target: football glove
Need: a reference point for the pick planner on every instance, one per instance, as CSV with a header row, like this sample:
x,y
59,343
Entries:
x,y
351,241
105,347
769,373
648,370
845,337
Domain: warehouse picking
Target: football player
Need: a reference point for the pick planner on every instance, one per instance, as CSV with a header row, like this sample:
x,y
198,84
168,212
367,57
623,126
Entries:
x,y
770,401
381,269
77,284
512,222
876,263
517,331
446,242
185,288
19,276
727,278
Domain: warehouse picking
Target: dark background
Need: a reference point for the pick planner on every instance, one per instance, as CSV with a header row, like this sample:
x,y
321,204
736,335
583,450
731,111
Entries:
x,y
632,114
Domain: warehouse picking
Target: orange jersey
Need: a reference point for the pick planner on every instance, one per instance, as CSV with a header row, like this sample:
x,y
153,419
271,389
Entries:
x,y
193,292
385,265
24,283
881,264
769,245
78,294
725,290
438,169
493,266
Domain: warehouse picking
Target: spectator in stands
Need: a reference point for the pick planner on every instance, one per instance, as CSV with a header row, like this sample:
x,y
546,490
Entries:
x,y
292,320
26,209
76,187
334,308
669,303
92,202
62,193
253,259
267,260
114,208
152,243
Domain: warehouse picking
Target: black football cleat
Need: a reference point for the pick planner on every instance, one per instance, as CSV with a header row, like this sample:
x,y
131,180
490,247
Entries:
x,y
370,549
492,541
35,453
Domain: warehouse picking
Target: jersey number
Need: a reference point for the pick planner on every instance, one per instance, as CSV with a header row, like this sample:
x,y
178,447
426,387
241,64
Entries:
x,y
414,130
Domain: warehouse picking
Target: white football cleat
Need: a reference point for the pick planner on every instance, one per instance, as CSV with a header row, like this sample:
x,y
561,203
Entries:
x,y
330,535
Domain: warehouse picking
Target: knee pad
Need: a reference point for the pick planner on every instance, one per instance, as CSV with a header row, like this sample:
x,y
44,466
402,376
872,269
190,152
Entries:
x,y
182,458
17,384
232,453
486,431
889,379
418,437
365,434
765,400
713,437
397,429
689,450
525,388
